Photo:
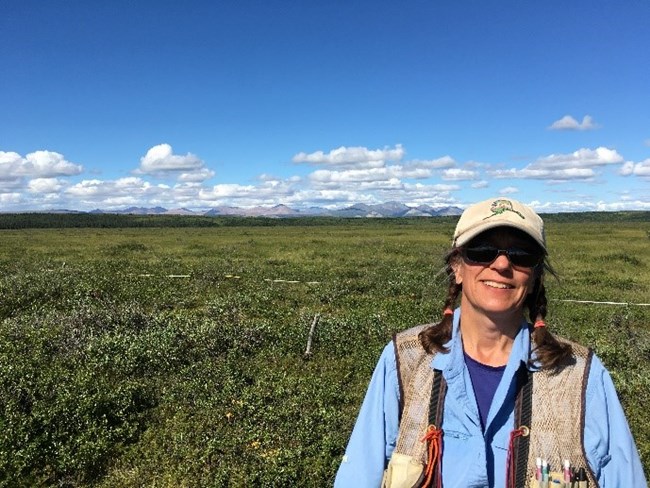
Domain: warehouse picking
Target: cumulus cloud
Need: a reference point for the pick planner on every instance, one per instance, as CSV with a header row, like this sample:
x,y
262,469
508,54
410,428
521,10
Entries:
x,y
227,190
45,185
324,176
569,123
9,162
435,195
480,184
379,177
578,165
371,176
360,157
431,189
161,161
458,174
508,190
10,198
48,164
197,176
591,206
123,191
585,158
440,163
331,198
267,191
636,169
38,164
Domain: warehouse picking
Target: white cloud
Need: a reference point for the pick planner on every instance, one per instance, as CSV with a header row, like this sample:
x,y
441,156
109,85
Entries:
x,y
38,164
47,164
591,206
578,165
197,176
10,198
508,190
480,184
544,174
123,191
269,191
366,175
458,174
160,161
390,184
636,169
227,190
11,184
443,162
45,185
436,195
360,157
586,158
332,198
627,169
569,123
9,162
431,189
324,176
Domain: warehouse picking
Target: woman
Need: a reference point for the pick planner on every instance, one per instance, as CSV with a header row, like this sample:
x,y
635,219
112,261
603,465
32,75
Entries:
x,y
485,398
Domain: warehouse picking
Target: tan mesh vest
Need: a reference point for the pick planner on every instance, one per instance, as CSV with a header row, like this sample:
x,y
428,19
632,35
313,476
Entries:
x,y
557,423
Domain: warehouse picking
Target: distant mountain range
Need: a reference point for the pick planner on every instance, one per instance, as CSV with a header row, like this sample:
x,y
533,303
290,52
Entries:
x,y
361,210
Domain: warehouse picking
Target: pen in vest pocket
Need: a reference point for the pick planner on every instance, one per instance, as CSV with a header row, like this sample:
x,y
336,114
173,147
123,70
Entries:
x,y
568,477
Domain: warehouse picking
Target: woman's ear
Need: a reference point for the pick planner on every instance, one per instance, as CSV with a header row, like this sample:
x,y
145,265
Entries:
x,y
456,264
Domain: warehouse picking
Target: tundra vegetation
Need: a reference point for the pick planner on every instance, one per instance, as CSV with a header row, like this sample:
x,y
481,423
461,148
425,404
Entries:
x,y
170,352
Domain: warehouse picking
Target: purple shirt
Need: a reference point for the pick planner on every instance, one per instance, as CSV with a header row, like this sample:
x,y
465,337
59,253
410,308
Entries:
x,y
485,380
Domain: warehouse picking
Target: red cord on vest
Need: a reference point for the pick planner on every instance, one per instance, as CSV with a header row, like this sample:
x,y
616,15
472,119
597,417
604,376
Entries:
x,y
434,451
510,467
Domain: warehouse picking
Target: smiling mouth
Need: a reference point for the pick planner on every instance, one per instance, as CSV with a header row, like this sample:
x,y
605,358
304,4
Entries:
x,y
494,284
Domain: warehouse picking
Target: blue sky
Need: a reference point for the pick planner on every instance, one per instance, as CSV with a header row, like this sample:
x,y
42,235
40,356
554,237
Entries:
x,y
324,103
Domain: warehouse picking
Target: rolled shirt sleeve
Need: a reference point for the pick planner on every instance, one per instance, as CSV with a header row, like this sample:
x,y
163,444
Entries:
x,y
375,431
609,444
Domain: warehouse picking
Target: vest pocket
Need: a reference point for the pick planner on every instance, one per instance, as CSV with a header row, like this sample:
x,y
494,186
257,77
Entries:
x,y
403,472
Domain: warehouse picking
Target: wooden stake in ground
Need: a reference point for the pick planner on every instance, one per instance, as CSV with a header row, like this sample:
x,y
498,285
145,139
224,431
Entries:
x,y
312,329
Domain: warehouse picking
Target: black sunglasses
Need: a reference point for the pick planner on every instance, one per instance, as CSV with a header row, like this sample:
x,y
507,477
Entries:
x,y
486,254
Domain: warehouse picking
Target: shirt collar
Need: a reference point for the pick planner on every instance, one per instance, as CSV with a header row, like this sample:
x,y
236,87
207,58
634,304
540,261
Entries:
x,y
453,362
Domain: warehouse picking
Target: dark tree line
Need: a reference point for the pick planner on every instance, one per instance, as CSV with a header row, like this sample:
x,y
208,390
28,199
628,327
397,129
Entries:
x,y
108,220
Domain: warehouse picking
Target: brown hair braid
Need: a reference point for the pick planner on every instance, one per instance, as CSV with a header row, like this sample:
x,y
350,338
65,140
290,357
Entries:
x,y
434,338
551,353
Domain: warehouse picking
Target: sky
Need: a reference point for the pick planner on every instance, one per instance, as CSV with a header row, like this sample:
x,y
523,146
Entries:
x,y
200,104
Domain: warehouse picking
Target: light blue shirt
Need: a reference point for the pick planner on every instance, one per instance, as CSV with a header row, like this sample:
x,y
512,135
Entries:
x,y
471,457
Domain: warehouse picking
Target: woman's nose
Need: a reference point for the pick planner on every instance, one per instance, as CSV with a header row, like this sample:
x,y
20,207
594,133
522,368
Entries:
x,y
501,262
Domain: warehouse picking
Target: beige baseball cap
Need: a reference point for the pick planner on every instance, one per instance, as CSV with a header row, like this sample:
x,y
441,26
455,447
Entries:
x,y
498,212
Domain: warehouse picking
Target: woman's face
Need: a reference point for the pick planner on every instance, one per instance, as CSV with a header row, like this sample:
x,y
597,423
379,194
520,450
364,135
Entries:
x,y
497,289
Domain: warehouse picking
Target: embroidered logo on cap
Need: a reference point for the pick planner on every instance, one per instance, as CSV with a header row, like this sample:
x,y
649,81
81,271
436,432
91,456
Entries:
x,y
500,206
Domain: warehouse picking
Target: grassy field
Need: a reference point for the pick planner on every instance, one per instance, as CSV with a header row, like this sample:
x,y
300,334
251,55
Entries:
x,y
175,356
